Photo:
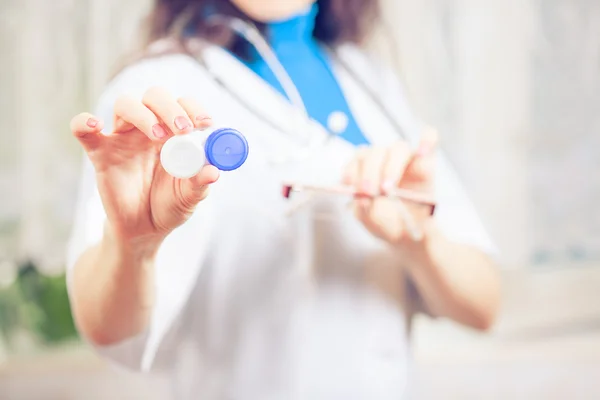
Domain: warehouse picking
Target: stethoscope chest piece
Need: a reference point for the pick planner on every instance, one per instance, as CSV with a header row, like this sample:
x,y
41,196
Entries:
x,y
337,122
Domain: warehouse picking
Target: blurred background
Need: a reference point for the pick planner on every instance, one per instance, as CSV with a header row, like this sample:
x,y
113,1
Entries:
x,y
512,85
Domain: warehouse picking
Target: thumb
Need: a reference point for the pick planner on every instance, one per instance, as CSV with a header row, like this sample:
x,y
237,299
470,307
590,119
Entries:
x,y
195,189
428,143
420,171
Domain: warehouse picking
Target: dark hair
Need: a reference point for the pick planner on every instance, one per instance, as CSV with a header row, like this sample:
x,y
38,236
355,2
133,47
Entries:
x,y
338,21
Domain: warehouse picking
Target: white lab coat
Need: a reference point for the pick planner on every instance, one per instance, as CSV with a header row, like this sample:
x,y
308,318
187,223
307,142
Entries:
x,y
252,304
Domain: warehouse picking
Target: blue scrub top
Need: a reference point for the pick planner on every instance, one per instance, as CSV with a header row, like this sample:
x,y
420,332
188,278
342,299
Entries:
x,y
309,67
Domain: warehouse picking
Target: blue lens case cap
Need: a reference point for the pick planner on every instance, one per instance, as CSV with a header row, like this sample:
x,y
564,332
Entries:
x,y
226,149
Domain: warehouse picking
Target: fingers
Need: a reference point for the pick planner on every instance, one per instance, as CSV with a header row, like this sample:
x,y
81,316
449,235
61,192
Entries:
x,y
196,113
169,111
87,129
353,170
365,175
369,171
376,171
131,113
379,170
381,218
420,171
428,143
195,189
397,159
158,114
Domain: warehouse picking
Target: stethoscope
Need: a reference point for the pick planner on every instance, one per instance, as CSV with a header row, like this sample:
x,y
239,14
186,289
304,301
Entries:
x,y
251,34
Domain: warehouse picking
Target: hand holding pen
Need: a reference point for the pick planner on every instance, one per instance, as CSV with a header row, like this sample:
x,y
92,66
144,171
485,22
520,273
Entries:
x,y
391,189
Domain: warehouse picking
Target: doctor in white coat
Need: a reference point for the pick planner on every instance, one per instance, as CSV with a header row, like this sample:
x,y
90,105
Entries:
x,y
230,293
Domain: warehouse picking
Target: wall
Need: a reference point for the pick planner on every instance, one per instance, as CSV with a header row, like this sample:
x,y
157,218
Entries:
x,y
510,84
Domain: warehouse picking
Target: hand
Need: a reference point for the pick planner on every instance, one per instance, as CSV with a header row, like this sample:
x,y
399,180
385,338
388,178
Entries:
x,y
141,200
377,171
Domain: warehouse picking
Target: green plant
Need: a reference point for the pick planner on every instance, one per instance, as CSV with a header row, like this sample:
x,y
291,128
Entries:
x,y
37,303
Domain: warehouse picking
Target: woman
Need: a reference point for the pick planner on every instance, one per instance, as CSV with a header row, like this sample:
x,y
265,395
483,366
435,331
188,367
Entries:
x,y
227,293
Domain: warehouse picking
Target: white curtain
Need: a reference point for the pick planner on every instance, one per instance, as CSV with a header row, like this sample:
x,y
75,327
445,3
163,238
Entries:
x,y
512,86
56,56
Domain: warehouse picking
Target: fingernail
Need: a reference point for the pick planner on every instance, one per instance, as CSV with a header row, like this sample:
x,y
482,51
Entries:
x,y
346,179
203,118
387,186
158,131
203,121
423,150
92,122
182,123
367,188
364,203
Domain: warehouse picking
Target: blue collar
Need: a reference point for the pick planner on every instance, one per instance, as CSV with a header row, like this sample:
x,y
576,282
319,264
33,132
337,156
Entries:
x,y
300,26
310,68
